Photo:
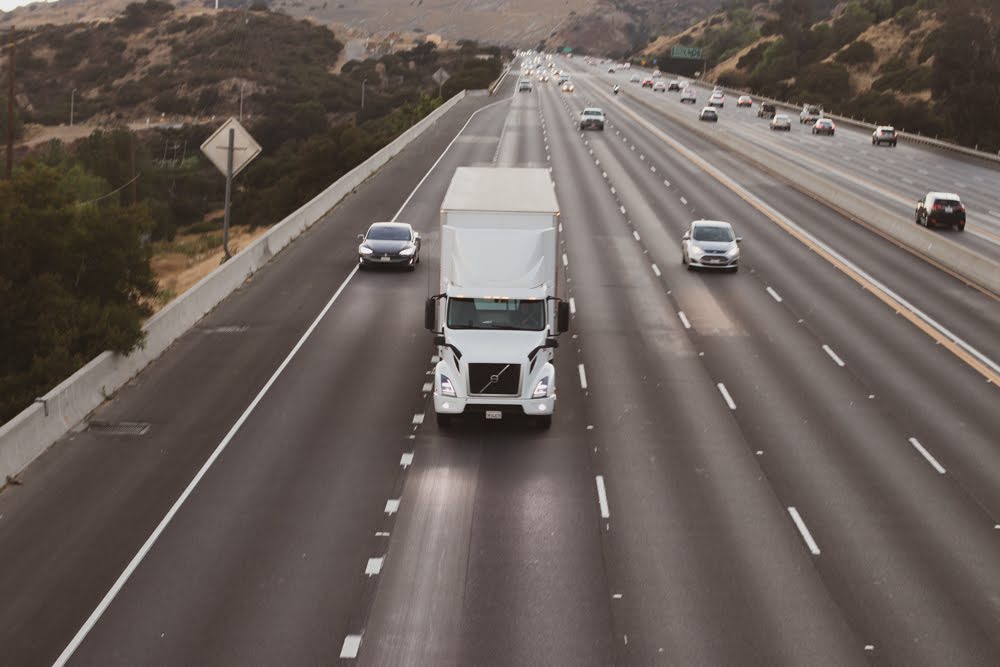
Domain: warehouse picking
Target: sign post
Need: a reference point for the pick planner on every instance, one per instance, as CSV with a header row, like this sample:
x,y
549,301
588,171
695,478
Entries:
x,y
440,76
230,149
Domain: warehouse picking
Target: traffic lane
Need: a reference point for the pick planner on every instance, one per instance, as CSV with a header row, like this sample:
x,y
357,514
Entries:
x,y
968,312
685,498
920,360
722,314
487,511
191,396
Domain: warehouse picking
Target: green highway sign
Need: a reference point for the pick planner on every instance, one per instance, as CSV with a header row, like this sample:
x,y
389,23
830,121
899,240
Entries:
x,y
685,52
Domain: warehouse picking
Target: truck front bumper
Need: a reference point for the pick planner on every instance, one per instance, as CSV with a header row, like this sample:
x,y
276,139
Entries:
x,y
450,405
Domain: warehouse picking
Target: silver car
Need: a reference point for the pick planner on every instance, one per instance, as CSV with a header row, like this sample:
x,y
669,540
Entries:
x,y
781,122
711,244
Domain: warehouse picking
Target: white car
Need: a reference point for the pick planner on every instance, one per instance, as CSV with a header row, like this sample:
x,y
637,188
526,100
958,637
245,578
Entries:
x,y
781,122
711,244
568,87
717,100
709,114
689,96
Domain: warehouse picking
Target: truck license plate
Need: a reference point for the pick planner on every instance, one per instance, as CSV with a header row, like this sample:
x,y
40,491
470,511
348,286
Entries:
x,y
494,414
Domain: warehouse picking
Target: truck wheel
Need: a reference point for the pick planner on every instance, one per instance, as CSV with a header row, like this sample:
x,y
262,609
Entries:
x,y
544,422
443,420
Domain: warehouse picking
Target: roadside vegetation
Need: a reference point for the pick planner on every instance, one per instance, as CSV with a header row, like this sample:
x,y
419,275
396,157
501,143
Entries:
x,y
79,223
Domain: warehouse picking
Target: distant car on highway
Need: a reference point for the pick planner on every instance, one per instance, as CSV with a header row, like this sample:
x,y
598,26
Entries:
x,y
568,87
656,74
689,96
647,83
711,244
810,113
611,70
659,87
524,86
781,122
744,101
592,118
941,209
634,78
884,134
389,244
766,110
709,114
674,85
824,126
717,100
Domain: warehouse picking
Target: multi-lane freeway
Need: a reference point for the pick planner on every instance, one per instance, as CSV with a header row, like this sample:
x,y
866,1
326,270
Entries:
x,y
795,464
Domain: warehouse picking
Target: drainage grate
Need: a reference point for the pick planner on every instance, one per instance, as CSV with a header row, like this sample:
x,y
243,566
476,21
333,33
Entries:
x,y
118,428
226,329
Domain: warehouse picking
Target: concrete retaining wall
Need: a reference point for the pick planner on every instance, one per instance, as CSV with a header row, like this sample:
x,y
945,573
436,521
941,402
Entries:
x,y
30,433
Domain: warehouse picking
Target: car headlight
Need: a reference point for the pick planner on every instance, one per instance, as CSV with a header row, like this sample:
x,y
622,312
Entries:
x,y
407,251
542,388
732,252
364,250
447,388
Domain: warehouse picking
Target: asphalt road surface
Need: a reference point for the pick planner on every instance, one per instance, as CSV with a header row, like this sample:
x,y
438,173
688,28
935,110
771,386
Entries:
x,y
785,465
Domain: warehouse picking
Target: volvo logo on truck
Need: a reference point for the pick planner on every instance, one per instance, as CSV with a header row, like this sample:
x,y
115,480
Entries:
x,y
497,312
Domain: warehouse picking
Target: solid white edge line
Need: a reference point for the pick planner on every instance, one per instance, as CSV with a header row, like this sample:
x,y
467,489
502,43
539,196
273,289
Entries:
x,y
684,319
774,295
804,531
583,377
572,306
602,498
927,455
726,396
112,593
833,355
151,540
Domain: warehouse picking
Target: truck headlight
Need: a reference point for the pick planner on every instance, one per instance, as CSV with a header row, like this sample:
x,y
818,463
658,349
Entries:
x,y
542,388
447,388
364,250
408,251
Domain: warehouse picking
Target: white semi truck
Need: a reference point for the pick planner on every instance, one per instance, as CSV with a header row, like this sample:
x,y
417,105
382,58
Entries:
x,y
497,313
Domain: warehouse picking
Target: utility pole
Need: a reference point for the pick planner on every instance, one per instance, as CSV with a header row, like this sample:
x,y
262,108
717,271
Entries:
x,y
229,191
241,101
363,92
72,106
131,147
10,105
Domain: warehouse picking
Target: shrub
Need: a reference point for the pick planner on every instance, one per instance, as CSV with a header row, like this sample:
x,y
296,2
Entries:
x,y
856,53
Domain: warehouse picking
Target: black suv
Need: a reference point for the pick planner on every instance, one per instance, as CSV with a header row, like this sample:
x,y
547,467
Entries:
x,y
941,209
766,110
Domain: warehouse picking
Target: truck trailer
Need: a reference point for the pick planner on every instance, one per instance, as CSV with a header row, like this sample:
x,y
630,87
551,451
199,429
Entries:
x,y
497,313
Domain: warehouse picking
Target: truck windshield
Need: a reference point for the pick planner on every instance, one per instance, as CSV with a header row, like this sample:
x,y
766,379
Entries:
x,y
515,314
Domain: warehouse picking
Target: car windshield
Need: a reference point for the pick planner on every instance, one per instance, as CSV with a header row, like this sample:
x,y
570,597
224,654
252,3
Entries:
x,y
592,112
516,314
719,234
947,202
388,233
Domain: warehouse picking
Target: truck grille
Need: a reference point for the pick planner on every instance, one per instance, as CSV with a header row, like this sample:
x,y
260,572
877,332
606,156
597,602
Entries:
x,y
494,379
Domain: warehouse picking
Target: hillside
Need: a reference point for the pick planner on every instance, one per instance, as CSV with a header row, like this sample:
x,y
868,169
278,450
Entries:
x,y
924,65
595,26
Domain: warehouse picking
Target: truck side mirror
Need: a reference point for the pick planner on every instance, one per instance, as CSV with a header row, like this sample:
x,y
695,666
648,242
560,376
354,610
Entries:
x,y
430,314
562,317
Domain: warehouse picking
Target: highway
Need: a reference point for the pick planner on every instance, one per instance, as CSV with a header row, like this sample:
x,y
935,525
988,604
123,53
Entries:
x,y
779,466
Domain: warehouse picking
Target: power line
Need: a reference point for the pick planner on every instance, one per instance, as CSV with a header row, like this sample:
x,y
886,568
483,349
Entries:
x,y
115,191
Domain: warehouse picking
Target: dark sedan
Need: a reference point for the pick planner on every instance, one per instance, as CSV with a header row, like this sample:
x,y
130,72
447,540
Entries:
x,y
389,244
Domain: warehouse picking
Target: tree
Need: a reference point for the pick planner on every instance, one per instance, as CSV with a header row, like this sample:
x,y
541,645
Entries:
x,y
74,278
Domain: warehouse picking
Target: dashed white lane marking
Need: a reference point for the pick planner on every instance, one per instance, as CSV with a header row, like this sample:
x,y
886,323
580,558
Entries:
x,y
666,183
924,172
960,186
373,567
927,455
435,359
613,191
602,498
774,295
622,209
656,270
906,180
352,643
604,174
565,260
806,535
652,168
642,157
726,396
617,596
684,201
427,388
418,419
636,235
382,533
633,146
406,459
392,506
995,214
875,169
684,319
583,376
597,162
572,306
833,355
560,228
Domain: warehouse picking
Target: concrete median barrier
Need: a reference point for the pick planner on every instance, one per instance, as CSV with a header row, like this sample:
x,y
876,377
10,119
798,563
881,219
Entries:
x,y
32,431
